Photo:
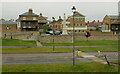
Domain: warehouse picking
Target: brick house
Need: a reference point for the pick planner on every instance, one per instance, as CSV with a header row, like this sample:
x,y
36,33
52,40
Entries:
x,y
56,24
8,26
28,21
41,21
79,23
108,21
94,25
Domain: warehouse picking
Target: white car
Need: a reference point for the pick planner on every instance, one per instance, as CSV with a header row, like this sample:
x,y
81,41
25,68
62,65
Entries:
x,y
55,33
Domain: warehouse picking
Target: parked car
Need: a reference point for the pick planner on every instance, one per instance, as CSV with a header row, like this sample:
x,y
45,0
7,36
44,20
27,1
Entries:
x,y
55,33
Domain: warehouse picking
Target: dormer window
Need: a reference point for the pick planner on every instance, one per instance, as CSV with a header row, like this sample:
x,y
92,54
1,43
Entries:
x,y
24,18
34,18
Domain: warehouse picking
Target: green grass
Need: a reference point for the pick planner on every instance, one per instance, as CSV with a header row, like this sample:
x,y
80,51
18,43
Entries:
x,y
80,67
17,42
95,49
84,43
34,50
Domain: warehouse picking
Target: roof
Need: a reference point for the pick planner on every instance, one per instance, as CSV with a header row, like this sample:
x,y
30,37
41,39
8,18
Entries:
x,y
27,14
77,14
114,16
7,23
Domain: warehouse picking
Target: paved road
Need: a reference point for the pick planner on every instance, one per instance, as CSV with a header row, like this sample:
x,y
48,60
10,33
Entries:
x,y
50,58
56,46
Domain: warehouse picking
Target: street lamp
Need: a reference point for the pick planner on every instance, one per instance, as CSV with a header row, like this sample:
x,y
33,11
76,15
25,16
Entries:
x,y
53,34
73,34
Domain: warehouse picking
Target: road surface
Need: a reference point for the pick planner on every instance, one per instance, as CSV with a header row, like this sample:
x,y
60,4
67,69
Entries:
x,y
50,58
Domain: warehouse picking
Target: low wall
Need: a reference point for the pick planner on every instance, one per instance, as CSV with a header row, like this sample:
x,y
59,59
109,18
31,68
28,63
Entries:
x,y
68,39
20,34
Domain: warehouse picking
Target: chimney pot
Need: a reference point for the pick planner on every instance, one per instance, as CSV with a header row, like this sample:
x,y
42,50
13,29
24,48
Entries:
x,y
59,17
30,11
40,14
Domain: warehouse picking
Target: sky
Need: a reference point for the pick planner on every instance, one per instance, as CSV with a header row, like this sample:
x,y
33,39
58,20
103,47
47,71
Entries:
x,y
91,10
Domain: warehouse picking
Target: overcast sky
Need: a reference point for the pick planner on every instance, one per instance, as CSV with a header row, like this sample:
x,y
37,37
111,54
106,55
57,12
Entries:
x,y
92,10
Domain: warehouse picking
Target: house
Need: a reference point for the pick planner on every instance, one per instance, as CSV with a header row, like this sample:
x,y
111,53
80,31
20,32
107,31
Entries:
x,y
41,21
78,22
94,25
56,25
8,26
109,23
28,21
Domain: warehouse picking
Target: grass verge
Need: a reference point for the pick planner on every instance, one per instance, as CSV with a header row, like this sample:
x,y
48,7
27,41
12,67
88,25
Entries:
x,y
17,42
34,50
95,49
80,67
84,43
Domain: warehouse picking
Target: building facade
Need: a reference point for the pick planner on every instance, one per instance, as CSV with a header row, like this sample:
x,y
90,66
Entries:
x,y
8,26
109,22
42,21
28,21
56,25
78,21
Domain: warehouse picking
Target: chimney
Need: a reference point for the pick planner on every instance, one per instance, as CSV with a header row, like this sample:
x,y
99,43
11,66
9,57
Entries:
x,y
88,22
30,11
53,18
40,14
59,17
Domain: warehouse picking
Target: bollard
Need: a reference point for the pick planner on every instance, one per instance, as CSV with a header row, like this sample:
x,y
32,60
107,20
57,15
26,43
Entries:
x,y
78,53
98,52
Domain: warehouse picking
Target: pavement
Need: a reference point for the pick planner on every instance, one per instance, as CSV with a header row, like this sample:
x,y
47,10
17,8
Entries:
x,y
55,58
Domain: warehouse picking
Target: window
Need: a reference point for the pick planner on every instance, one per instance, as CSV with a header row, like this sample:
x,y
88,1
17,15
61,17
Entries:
x,y
77,24
24,18
79,30
81,19
24,26
69,30
29,24
83,31
117,20
43,20
74,24
75,30
113,20
34,18
77,19
81,24
73,19
7,27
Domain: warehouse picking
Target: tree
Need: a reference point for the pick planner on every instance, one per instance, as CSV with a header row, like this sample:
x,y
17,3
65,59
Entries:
x,y
46,28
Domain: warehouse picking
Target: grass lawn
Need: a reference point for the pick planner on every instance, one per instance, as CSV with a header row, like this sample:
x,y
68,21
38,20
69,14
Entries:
x,y
17,42
95,49
34,50
84,43
80,67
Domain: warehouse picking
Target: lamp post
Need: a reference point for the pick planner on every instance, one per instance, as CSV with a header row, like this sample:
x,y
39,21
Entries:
x,y
73,34
53,34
